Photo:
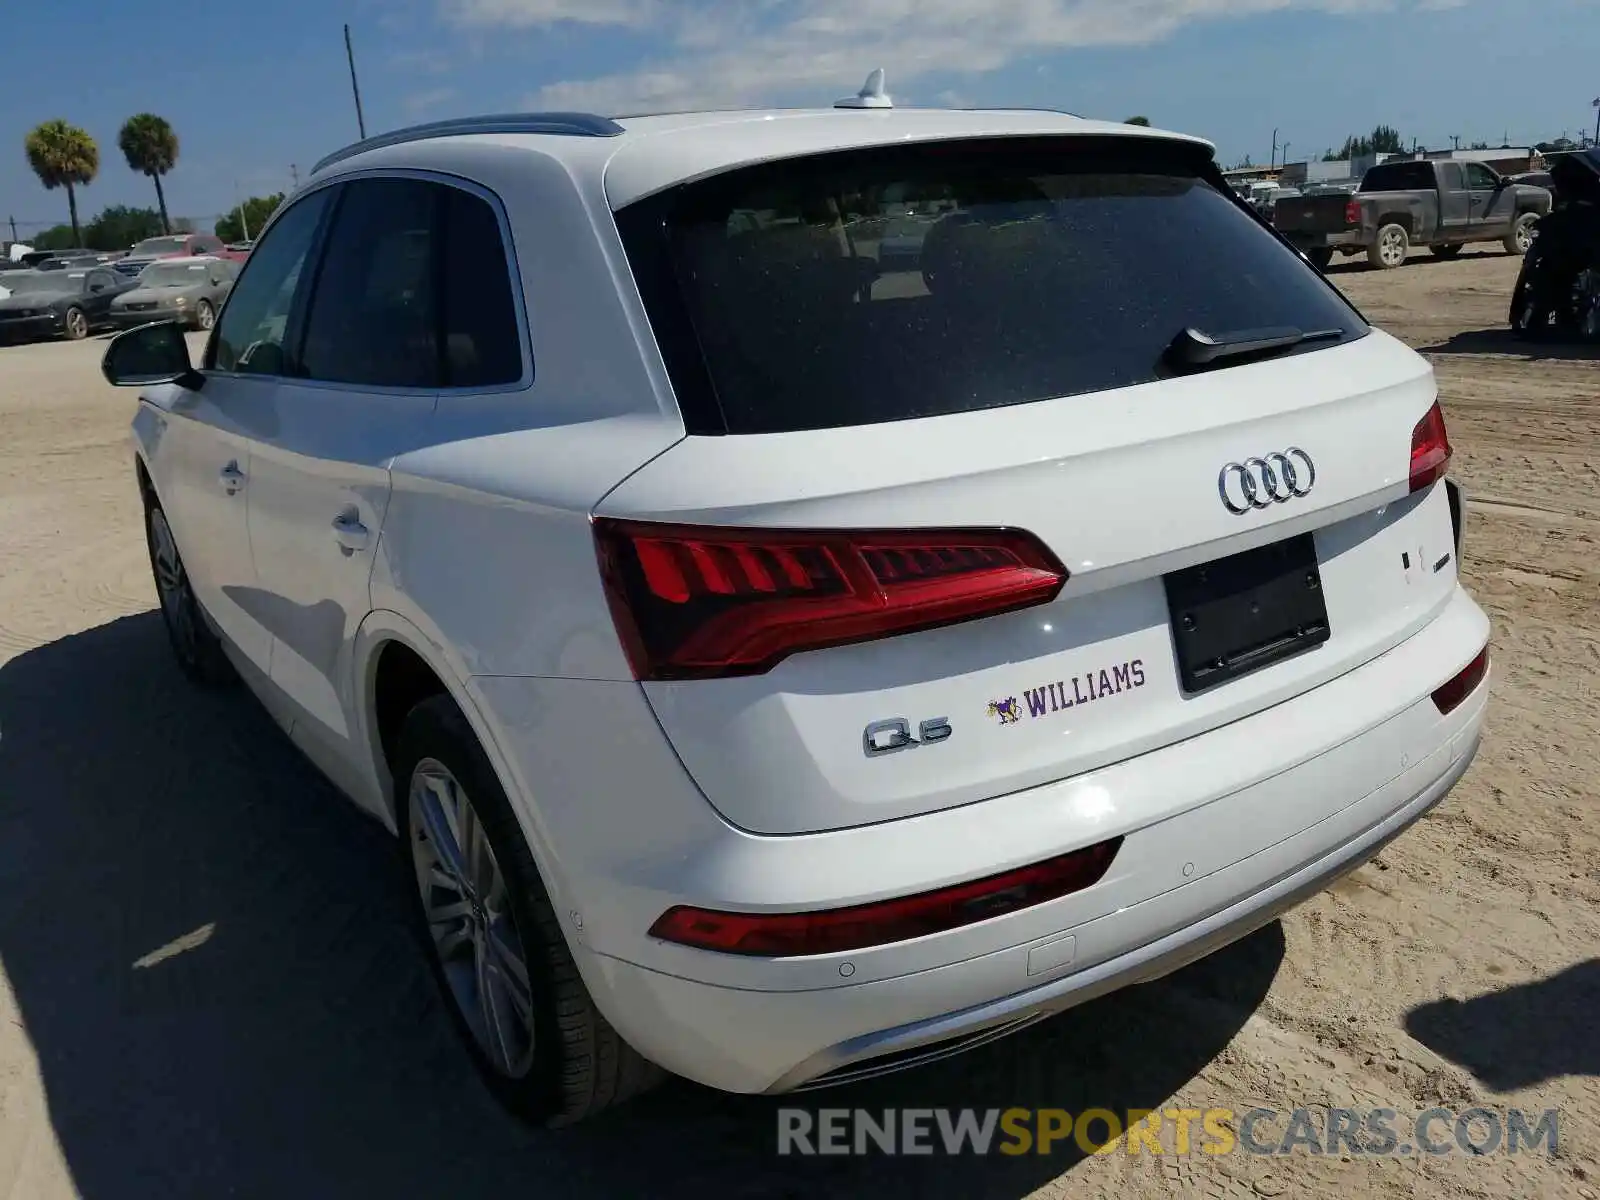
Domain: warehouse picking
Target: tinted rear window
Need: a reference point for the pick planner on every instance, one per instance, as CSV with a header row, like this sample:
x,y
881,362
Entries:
x,y
919,281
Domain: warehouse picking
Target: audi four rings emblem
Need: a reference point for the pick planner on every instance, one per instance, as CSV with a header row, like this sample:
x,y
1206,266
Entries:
x,y
1271,479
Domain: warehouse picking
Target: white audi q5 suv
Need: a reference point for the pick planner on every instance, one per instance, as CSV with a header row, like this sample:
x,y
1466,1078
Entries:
x,y
812,590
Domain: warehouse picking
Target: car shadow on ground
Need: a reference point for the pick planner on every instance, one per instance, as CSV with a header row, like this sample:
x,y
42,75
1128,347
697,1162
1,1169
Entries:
x,y
1503,341
205,946
1520,1036
1357,264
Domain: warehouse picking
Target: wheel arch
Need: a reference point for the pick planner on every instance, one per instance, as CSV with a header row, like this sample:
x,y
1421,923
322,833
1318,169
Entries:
x,y
397,666
1403,219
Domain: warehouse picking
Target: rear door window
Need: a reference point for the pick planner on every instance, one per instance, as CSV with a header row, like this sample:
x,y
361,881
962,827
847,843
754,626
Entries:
x,y
1416,176
906,282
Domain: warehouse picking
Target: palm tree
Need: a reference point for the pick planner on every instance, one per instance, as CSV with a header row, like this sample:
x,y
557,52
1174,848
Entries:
x,y
63,155
151,148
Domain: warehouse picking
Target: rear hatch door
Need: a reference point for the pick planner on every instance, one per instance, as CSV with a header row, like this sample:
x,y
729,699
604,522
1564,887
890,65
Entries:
x,y
887,430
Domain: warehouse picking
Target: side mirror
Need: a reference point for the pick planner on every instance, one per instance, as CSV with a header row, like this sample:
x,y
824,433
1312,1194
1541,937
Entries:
x,y
150,354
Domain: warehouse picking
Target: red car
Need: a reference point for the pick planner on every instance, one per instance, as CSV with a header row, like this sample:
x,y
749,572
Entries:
x,y
176,245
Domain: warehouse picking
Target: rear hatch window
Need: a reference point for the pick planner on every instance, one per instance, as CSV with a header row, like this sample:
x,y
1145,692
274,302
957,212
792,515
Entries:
x,y
915,281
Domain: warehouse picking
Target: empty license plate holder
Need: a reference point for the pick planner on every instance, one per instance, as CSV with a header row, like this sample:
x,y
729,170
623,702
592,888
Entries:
x,y
1247,611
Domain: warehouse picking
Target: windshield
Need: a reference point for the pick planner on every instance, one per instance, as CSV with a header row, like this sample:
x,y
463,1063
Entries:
x,y
169,275
50,283
1048,271
159,245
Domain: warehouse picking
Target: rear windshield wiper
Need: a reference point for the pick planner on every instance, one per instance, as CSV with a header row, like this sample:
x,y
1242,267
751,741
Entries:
x,y
1196,348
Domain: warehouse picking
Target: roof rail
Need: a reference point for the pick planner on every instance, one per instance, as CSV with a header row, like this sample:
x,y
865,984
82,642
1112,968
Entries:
x,y
566,124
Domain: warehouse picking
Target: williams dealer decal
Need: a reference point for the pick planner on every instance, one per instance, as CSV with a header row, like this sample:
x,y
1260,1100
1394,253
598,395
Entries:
x,y
1050,698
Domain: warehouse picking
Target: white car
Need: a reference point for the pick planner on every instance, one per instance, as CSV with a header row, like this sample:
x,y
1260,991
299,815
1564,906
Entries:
x,y
779,668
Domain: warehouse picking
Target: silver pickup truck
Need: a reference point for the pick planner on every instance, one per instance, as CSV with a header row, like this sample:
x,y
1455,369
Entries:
x,y
1439,203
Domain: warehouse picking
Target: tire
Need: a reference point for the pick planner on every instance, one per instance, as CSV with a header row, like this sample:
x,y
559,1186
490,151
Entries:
x,y
1320,257
574,1064
1526,318
74,325
195,645
1388,249
1446,249
1521,235
204,316
1585,308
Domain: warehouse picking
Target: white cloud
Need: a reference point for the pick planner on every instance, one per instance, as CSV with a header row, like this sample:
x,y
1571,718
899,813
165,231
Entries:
x,y
718,53
530,14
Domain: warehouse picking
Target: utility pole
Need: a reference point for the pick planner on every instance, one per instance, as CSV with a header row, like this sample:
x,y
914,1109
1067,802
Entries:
x,y
1274,149
355,88
1455,141
13,221
1286,154
244,219
294,173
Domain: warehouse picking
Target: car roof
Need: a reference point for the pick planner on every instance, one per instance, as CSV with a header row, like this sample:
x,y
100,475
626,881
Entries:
x,y
637,156
185,259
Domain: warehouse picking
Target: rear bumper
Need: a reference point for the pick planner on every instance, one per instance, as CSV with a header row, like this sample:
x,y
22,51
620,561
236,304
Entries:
x,y
754,1041
924,1041
1221,833
1323,241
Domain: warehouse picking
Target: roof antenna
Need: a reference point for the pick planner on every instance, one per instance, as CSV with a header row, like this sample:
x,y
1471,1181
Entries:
x,y
871,94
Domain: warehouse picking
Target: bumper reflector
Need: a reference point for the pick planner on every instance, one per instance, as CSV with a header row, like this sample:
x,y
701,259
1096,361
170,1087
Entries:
x,y
832,931
1449,695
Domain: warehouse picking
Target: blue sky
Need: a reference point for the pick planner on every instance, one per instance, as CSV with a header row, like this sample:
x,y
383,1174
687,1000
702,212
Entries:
x,y
253,88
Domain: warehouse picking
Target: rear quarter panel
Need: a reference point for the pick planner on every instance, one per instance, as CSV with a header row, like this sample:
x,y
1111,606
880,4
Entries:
x,y
1417,211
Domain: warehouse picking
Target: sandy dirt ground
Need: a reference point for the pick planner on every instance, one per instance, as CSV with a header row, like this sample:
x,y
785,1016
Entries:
x,y
205,990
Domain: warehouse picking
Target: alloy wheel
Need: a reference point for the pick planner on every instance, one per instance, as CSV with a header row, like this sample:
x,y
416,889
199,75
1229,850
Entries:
x,y
1392,248
466,905
1524,236
77,324
204,317
172,585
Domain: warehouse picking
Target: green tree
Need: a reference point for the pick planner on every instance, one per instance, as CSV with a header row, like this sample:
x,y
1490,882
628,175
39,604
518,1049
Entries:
x,y
255,211
119,227
63,155
57,237
151,148
1385,139
1145,121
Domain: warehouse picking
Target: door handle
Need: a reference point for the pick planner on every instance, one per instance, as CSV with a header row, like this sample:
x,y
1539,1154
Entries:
x,y
350,533
230,478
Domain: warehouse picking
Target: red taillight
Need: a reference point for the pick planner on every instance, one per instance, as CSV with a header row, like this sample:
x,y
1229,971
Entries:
x,y
1430,449
695,603
1449,695
1352,212
840,929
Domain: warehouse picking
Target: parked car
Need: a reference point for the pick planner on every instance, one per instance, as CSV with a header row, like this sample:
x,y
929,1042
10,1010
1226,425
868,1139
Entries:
x,y
76,258
71,303
243,247
177,245
779,671
1439,203
1543,179
35,259
1557,293
188,290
